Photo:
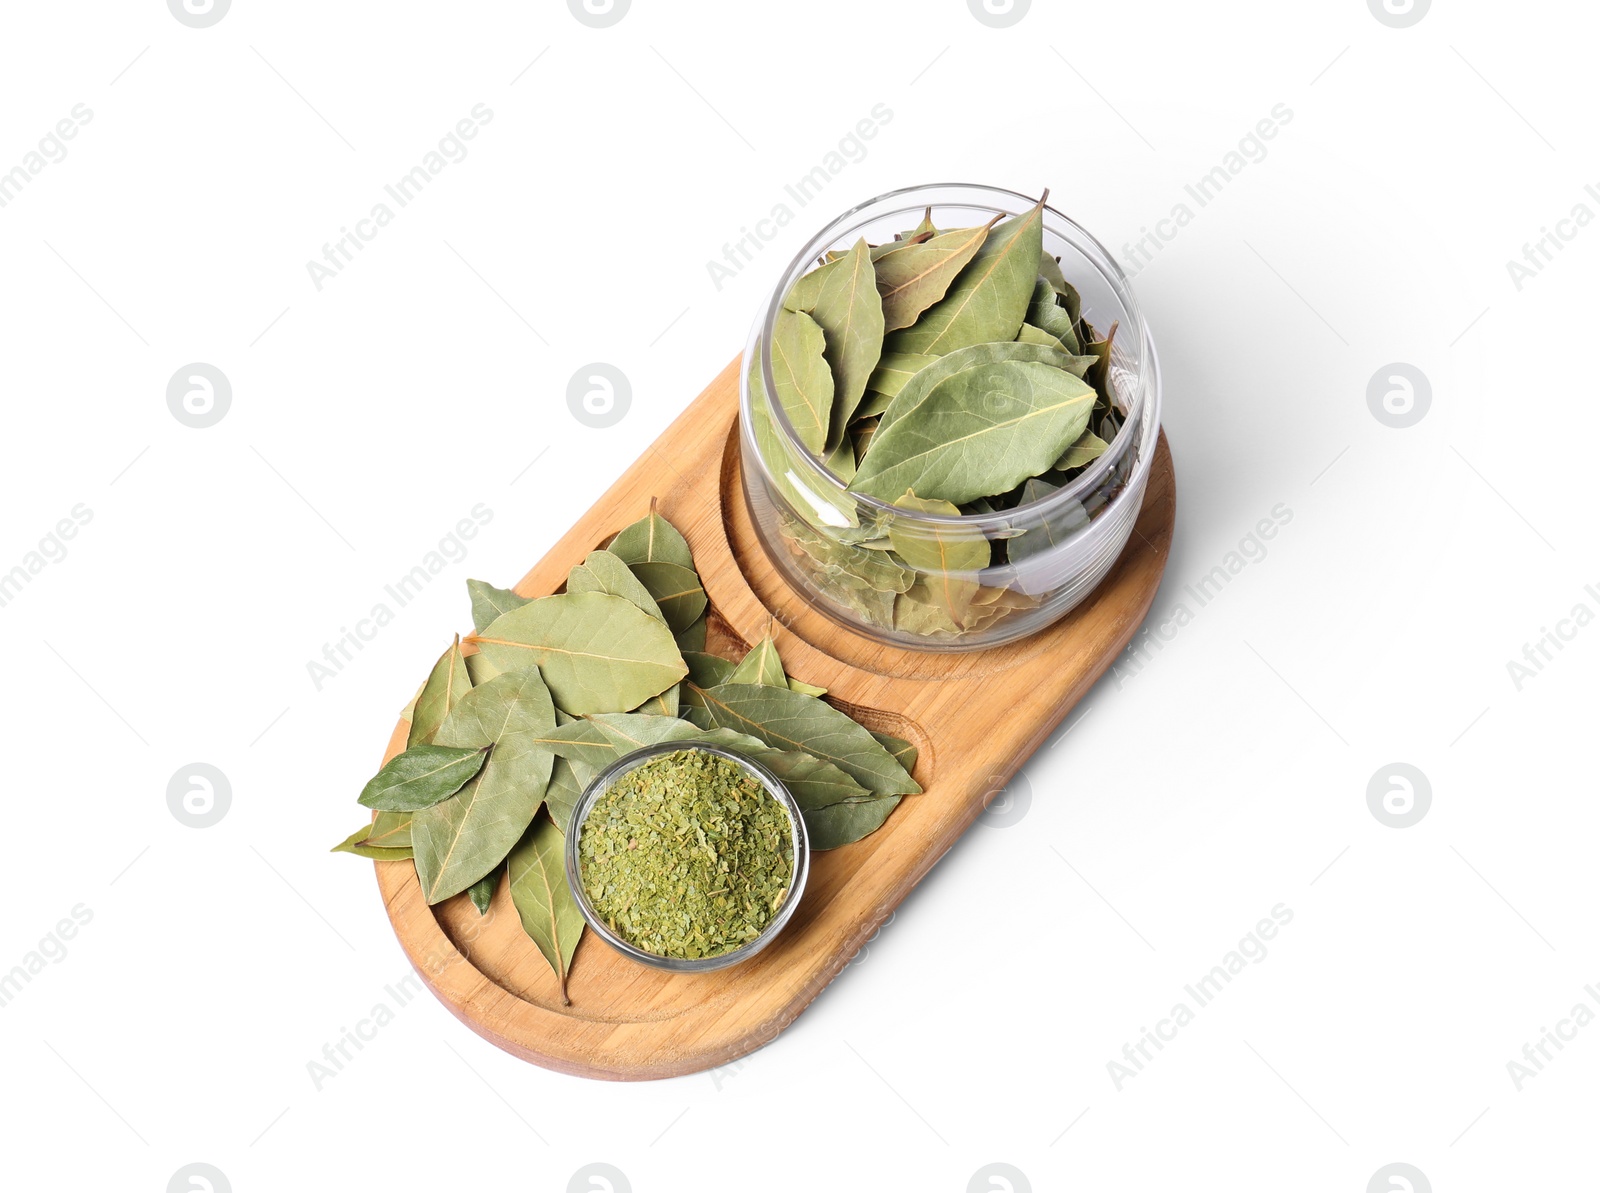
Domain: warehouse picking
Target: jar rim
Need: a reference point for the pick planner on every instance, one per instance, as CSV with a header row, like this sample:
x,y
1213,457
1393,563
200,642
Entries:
x,y
1147,378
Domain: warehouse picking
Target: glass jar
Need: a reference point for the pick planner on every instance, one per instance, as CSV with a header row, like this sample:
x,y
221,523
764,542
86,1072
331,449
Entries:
x,y
865,563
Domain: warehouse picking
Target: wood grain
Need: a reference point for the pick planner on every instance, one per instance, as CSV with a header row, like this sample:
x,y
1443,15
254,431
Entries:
x,y
629,1022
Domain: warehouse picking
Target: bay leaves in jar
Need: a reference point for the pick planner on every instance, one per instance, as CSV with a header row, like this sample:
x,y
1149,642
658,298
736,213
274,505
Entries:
x,y
850,314
1041,533
861,439
949,556
841,461
879,251
1029,334
1050,271
850,565
872,405
1088,448
921,383
597,652
894,369
988,299
924,229
977,433
914,278
803,378
923,610
1045,313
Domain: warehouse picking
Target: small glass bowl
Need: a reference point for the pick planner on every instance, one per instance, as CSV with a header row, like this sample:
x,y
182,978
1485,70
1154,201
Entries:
x,y
816,532
801,860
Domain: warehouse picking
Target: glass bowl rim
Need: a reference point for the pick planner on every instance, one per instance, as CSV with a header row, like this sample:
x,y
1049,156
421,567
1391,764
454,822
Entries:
x,y
1145,401
800,844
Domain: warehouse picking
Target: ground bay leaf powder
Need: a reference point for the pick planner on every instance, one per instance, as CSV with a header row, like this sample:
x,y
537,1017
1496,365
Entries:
x,y
687,855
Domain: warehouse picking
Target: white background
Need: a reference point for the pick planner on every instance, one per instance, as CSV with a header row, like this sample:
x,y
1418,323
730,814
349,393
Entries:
x,y
1189,796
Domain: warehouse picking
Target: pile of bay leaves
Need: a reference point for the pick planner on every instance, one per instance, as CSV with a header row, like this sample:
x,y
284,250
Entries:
x,y
947,372
506,734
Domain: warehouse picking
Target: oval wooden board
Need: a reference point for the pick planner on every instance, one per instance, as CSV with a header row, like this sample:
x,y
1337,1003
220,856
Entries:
x,y
629,1022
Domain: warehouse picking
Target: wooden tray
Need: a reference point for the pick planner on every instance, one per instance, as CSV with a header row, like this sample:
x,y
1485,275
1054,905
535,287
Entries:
x,y
629,1022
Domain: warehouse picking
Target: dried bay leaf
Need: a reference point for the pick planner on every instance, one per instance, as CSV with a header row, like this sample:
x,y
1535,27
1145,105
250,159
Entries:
x,y
761,665
693,638
597,652
664,705
1088,448
850,314
561,797
914,278
459,840
421,776
599,739
806,689
480,669
1029,334
489,602
544,902
1045,313
1050,271
922,383
676,591
978,433
1041,534
803,378
787,720
807,289
841,461
838,824
861,440
446,684
921,610
707,670
873,403
652,539
603,571
988,299
482,891
358,844
391,830
893,371
850,565
949,556
813,782
904,752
